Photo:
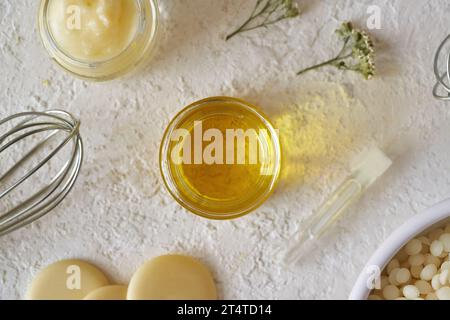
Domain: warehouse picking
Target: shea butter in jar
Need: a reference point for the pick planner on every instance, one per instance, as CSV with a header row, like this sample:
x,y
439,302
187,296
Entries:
x,y
98,39
220,158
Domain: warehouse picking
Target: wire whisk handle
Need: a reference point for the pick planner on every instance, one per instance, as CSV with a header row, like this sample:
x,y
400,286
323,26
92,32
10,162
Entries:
x,y
442,78
14,131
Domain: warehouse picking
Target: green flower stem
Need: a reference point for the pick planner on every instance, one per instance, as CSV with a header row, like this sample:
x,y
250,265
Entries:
x,y
255,27
266,13
239,30
252,16
243,29
338,58
357,53
320,65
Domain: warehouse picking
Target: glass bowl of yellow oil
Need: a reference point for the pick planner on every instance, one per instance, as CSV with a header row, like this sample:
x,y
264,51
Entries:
x,y
220,158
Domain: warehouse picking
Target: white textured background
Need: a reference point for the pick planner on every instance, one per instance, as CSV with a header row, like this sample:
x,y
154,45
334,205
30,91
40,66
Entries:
x,y
119,213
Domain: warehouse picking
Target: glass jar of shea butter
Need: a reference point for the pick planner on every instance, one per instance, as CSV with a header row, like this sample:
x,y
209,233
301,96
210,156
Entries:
x,y
99,40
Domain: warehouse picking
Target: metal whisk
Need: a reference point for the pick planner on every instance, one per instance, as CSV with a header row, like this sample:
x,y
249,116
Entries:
x,y
441,89
33,178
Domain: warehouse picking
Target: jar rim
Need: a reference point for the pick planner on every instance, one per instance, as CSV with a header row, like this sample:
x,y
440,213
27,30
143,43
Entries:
x,y
150,31
168,177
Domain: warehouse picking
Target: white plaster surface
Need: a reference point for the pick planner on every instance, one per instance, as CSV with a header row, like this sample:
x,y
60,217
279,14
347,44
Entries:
x,y
119,214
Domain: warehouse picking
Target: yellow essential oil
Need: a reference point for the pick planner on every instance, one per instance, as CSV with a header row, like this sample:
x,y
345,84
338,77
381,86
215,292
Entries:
x,y
220,158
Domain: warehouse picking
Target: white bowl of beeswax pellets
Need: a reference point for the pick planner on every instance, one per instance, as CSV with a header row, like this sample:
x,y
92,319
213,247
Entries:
x,y
413,263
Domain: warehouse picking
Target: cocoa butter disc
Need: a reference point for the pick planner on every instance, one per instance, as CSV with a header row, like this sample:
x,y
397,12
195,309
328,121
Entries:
x,y
172,277
66,280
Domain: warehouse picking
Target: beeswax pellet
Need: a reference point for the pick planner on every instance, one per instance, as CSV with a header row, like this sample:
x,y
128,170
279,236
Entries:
x,y
413,247
437,248
411,292
430,259
428,272
444,277
394,264
393,277
445,239
435,282
423,286
445,265
416,260
415,271
403,276
391,292
443,293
